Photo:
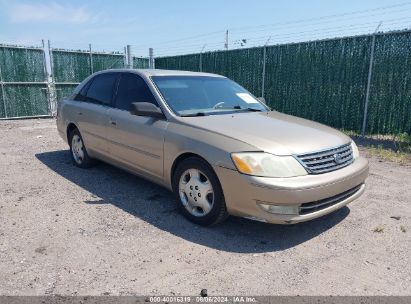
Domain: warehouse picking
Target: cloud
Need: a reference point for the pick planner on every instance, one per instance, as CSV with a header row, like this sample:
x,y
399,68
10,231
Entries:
x,y
52,12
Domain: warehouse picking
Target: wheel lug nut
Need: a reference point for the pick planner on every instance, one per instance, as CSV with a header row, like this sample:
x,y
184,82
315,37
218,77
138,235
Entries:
x,y
199,194
191,187
191,194
196,187
195,199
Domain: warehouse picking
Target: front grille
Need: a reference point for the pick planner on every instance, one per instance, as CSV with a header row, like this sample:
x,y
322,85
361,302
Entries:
x,y
326,160
327,202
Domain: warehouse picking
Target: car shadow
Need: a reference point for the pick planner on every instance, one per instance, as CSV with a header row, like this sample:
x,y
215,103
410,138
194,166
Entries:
x,y
155,205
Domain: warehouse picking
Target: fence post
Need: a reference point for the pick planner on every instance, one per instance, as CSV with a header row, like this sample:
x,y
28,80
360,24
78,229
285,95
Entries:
x,y
263,76
201,59
51,61
125,58
367,93
91,59
3,94
49,101
44,61
52,91
151,58
129,57
264,61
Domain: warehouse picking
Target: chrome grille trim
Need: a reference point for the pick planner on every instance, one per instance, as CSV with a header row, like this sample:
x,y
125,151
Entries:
x,y
327,202
325,160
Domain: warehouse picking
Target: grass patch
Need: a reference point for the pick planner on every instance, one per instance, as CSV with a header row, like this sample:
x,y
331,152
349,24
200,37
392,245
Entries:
x,y
379,229
387,154
395,148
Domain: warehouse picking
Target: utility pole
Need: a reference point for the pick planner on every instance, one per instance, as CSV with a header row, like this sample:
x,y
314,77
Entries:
x,y
226,40
367,93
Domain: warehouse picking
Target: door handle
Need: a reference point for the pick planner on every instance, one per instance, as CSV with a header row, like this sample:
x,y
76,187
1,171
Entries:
x,y
80,113
113,123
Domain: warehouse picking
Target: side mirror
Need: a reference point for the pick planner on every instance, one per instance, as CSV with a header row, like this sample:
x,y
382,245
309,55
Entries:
x,y
262,99
146,109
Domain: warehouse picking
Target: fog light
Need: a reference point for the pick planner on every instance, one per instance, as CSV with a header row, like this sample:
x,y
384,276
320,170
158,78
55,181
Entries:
x,y
280,209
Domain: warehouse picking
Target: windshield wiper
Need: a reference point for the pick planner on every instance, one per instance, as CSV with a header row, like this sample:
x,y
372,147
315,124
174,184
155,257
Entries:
x,y
246,109
252,109
194,114
238,107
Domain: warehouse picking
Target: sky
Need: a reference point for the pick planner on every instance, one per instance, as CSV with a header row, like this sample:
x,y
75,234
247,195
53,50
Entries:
x,y
183,26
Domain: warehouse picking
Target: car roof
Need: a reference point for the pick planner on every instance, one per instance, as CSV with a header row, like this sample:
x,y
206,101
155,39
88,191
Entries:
x,y
155,72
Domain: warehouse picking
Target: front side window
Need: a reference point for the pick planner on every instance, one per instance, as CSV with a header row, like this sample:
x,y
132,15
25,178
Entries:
x,y
101,88
132,88
205,95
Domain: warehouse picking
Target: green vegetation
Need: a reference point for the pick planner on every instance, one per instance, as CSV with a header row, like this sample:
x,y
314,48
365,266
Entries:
x,y
386,154
396,148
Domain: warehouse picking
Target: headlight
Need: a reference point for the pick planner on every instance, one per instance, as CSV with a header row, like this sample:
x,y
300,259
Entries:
x,y
267,165
355,152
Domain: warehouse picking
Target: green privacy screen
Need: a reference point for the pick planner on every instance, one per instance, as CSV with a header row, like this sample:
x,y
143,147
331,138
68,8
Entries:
x,y
322,80
23,89
22,100
140,63
72,67
75,66
390,100
63,90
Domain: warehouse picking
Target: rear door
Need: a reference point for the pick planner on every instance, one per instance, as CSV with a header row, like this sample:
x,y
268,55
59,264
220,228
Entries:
x,y
92,112
136,141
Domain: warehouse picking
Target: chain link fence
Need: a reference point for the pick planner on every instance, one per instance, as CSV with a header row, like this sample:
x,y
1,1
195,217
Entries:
x,y
23,85
26,90
70,67
323,80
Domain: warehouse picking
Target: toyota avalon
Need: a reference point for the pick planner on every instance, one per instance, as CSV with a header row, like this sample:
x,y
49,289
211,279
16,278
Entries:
x,y
219,149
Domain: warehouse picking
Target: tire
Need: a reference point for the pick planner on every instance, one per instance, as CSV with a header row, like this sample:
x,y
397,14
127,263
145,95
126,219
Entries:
x,y
78,151
198,192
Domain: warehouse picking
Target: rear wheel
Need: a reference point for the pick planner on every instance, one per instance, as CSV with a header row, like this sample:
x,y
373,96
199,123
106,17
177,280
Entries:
x,y
198,192
78,151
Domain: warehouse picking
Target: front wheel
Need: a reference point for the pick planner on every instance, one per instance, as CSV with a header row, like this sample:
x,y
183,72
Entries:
x,y
198,192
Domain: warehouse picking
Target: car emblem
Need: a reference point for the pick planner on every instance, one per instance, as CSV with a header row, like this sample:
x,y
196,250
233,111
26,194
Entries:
x,y
337,158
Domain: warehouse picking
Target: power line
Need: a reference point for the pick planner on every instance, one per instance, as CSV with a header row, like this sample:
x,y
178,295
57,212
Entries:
x,y
221,32
294,35
324,22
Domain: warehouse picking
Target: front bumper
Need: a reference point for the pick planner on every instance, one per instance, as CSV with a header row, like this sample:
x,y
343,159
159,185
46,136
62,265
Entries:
x,y
242,192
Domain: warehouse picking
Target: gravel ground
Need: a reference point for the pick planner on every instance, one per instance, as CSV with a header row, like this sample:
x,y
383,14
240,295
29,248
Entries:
x,y
102,231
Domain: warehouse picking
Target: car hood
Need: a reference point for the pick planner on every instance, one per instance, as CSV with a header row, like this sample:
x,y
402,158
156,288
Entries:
x,y
272,132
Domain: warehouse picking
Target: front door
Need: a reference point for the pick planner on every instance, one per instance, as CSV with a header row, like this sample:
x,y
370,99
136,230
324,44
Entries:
x,y
136,141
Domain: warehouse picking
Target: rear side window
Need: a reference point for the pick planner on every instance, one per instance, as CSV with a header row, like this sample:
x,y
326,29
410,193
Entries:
x,y
101,89
132,88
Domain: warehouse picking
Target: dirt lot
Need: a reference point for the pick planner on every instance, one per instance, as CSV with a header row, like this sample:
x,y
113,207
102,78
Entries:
x,y
69,231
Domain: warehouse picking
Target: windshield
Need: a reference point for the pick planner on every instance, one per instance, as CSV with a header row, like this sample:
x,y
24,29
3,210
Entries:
x,y
205,95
